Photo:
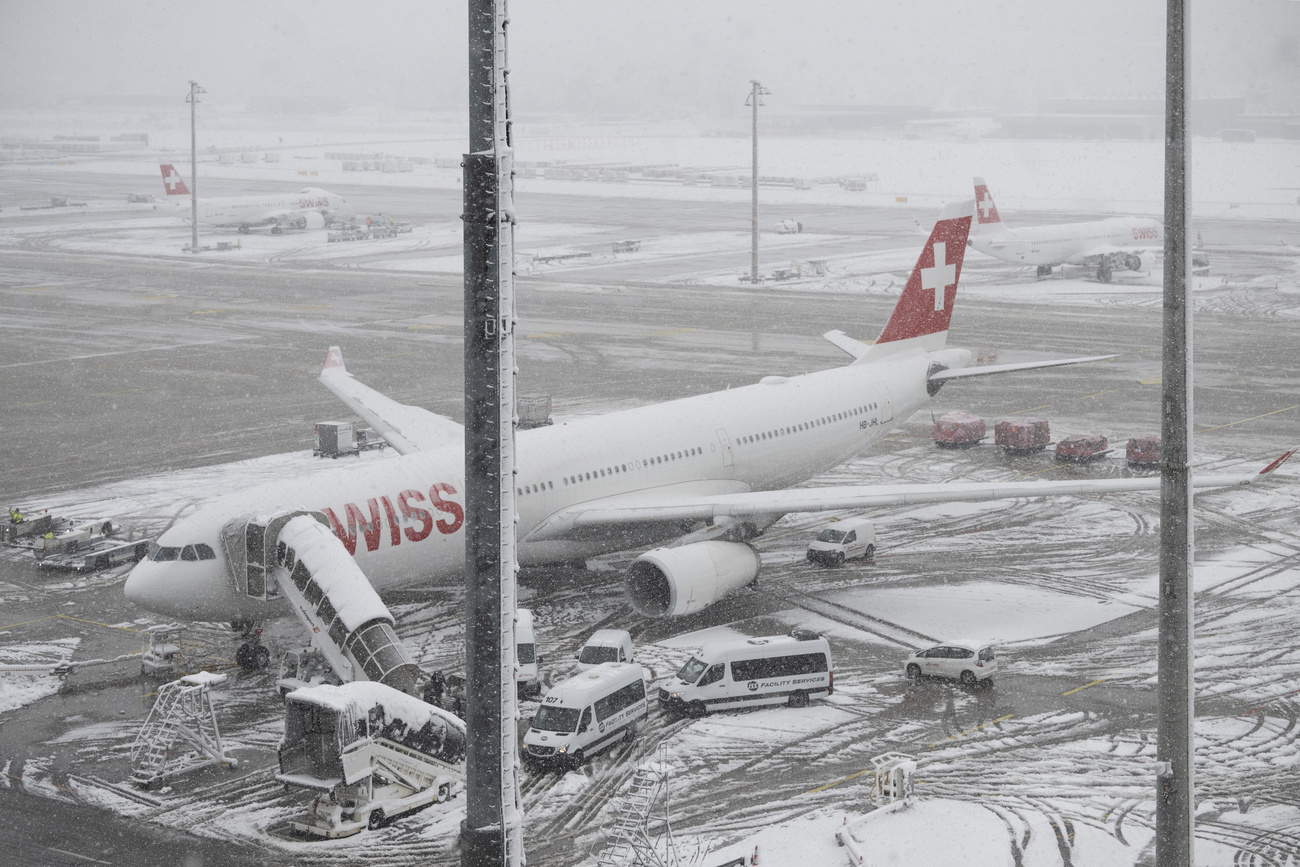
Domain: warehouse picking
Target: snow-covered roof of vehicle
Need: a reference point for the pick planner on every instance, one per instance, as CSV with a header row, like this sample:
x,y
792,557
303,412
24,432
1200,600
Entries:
x,y
608,638
598,675
360,696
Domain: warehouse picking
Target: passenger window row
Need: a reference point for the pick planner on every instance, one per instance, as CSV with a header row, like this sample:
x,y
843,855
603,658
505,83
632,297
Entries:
x,y
616,469
808,425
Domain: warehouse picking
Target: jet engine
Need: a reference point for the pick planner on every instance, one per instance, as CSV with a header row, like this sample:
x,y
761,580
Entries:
x,y
312,220
670,582
1140,261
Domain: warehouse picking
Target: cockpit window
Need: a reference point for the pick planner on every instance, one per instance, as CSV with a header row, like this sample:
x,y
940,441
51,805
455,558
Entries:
x,y
187,553
160,554
205,552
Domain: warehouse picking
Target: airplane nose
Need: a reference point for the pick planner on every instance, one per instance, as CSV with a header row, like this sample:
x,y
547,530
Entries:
x,y
141,583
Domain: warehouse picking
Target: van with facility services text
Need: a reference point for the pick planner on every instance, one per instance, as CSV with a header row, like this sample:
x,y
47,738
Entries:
x,y
750,672
585,714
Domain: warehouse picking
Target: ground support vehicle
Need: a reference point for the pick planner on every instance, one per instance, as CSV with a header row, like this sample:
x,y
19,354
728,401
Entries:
x,y
1023,435
373,753
843,540
605,645
1081,448
958,430
966,660
84,547
751,672
587,713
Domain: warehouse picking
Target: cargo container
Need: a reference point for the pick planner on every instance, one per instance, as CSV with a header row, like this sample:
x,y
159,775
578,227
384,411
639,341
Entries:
x,y
1022,435
1081,448
957,430
1143,451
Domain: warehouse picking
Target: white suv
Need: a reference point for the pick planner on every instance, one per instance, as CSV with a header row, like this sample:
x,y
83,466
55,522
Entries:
x,y
962,659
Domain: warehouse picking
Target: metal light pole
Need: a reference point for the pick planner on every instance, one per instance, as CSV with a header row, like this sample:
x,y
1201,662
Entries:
x,y
755,98
1175,745
492,833
193,100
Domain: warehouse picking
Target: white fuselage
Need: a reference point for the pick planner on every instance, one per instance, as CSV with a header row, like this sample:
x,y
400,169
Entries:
x,y
278,208
1067,243
403,518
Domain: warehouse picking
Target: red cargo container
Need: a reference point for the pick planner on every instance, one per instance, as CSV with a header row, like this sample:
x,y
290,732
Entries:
x,y
1144,451
1022,435
957,430
1081,448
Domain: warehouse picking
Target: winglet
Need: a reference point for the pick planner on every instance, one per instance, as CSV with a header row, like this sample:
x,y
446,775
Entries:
x,y
1279,462
334,360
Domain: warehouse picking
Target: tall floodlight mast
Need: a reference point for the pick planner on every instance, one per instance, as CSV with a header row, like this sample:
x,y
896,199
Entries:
x,y
492,834
1175,781
755,98
193,100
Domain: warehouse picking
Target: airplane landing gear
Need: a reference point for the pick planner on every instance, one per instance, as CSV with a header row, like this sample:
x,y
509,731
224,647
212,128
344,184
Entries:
x,y
1044,270
1103,274
252,655
243,230
276,230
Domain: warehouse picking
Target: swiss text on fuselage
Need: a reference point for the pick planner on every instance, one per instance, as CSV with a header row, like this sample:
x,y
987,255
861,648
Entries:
x,y
415,522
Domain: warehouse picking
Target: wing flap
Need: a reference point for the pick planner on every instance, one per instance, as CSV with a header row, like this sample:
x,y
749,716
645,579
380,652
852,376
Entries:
x,y
991,369
407,429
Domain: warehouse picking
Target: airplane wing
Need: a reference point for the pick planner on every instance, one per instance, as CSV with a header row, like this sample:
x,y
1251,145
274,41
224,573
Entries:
x,y
683,508
406,428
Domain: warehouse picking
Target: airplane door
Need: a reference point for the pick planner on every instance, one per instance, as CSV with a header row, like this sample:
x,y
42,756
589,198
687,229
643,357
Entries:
x,y
725,442
886,413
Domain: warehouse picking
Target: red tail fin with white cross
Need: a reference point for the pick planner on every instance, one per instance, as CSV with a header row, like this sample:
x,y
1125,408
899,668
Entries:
x,y
985,211
172,181
921,316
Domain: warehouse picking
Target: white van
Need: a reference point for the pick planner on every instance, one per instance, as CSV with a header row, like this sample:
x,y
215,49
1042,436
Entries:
x,y
527,681
605,645
844,540
749,672
583,715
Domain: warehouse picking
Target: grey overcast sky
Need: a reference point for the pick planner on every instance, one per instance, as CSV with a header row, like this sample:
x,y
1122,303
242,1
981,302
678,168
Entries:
x,y
668,58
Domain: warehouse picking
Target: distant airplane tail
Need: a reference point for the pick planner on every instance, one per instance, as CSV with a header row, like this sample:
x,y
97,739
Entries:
x,y
921,316
172,181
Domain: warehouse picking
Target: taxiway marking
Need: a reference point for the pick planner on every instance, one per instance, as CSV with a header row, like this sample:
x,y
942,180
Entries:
x,y
835,783
971,731
1082,688
75,855
1252,418
1255,710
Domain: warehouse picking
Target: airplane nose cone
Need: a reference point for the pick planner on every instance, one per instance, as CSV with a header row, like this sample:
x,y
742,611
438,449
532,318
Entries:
x,y
141,583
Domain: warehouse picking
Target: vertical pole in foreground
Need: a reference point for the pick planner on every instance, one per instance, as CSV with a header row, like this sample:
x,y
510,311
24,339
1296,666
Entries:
x,y
491,836
193,100
755,99
1175,782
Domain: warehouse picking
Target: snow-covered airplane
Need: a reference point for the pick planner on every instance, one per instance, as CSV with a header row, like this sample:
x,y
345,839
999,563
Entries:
x,y
701,476
1116,243
309,208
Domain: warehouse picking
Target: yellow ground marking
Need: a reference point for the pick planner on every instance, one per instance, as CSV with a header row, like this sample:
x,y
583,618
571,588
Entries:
x,y
26,622
1031,409
832,785
1154,380
673,331
312,307
1098,394
1082,688
544,334
37,288
96,623
972,731
1252,418
213,310
156,297
123,391
34,403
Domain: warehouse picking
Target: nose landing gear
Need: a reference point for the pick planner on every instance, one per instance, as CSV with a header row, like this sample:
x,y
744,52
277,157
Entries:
x,y
252,655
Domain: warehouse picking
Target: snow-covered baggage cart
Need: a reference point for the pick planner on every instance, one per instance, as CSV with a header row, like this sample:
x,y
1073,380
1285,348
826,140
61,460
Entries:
x,y
1082,448
958,430
373,753
1022,436
1143,452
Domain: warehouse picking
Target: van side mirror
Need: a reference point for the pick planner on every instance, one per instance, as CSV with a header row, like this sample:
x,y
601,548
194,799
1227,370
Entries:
x,y
539,659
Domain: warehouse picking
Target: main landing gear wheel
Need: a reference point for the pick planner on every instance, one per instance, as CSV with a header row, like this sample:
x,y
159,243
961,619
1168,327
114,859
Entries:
x,y
1103,274
276,230
1044,270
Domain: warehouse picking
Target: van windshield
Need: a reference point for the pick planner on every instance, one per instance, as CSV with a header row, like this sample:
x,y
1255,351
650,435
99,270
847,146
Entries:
x,y
691,671
556,719
526,653
832,536
595,655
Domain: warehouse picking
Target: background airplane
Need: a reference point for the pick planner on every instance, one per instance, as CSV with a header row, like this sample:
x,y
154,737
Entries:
x,y
701,476
309,208
1116,243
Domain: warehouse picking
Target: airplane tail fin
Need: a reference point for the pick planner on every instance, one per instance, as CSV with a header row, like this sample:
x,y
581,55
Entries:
x,y
173,182
988,223
921,316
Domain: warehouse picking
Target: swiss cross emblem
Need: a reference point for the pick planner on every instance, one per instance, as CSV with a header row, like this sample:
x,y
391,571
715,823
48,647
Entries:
x,y
939,276
986,205
171,180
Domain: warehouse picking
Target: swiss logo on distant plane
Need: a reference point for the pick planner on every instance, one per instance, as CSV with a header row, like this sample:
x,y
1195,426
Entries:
x,y
939,276
986,206
173,183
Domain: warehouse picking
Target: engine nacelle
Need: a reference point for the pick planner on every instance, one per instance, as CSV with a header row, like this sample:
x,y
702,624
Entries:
x,y
670,582
1140,261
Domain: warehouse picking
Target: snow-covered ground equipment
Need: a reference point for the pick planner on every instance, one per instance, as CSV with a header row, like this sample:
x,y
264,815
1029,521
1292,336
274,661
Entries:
x,y
304,667
534,410
1143,452
891,790
957,430
180,733
632,840
372,752
1081,448
296,556
1023,435
162,649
